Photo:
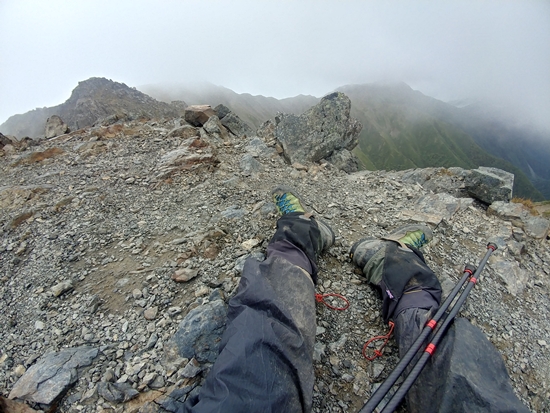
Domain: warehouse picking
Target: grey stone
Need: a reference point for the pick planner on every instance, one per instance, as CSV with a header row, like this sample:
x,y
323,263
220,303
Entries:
x,y
62,287
433,208
153,338
506,210
221,111
151,313
214,127
158,382
536,227
233,212
257,148
191,369
377,369
53,374
116,392
198,115
344,160
199,333
55,127
318,351
510,273
174,402
319,132
250,165
489,184
236,125
185,131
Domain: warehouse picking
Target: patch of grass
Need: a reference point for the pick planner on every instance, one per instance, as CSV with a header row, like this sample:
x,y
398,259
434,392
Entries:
x,y
527,203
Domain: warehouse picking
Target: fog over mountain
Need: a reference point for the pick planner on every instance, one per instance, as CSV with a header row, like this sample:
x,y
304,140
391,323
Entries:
x,y
448,50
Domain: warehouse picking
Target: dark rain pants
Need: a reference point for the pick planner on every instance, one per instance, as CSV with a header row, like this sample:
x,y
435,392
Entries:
x,y
466,374
266,353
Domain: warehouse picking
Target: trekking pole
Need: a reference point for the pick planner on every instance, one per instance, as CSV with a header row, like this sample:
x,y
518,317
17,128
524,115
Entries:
x,y
383,389
430,348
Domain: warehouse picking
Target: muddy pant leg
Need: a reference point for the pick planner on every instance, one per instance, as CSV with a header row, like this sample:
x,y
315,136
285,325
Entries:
x,y
266,353
466,373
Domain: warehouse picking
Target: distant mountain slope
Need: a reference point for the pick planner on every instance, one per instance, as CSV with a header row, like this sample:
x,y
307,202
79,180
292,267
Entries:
x,y
503,136
254,110
403,128
91,100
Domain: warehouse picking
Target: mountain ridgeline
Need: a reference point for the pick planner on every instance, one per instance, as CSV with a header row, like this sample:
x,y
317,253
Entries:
x,y
402,128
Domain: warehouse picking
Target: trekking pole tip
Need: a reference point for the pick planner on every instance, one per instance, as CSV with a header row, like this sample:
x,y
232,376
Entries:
x,y
492,246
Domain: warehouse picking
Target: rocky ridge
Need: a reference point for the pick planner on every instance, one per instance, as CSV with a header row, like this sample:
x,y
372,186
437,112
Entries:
x,y
116,239
93,100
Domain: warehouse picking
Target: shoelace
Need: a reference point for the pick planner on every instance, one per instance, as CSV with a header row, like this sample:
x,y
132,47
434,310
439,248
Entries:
x,y
284,204
418,241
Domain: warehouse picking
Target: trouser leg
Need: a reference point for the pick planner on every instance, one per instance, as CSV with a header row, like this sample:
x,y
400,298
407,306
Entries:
x,y
466,373
266,353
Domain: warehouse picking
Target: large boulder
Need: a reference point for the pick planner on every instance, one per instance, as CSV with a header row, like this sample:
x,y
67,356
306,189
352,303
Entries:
x,y
318,133
236,125
55,127
198,115
489,184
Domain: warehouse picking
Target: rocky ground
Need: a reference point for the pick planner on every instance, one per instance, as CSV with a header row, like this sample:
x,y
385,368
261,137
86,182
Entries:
x,y
100,229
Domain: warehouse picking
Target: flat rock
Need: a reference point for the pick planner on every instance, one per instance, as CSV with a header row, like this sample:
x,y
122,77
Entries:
x,y
62,287
184,275
433,208
536,227
185,132
151,313
52,375
116,392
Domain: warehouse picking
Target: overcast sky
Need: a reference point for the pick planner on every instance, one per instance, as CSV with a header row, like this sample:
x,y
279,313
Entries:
x,y
446,49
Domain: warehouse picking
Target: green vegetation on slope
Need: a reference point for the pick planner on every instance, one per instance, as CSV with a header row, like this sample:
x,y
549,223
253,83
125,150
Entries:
x,y
402,129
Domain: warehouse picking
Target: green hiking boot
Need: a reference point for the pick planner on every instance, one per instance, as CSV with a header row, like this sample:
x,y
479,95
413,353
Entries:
x,y
368,253
288,201
414,235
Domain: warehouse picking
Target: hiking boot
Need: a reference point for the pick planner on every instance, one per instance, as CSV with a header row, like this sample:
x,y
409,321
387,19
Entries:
x,y
414,235
365,250
327,235
288,201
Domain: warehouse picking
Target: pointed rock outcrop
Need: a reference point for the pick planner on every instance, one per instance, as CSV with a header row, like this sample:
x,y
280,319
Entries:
x,y
322,132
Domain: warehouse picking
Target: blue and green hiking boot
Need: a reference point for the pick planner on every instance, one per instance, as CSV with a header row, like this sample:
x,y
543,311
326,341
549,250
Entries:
x,y
368,253
288,201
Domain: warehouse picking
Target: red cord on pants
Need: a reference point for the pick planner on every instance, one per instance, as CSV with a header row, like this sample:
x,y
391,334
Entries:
x,y
320,298
378,352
